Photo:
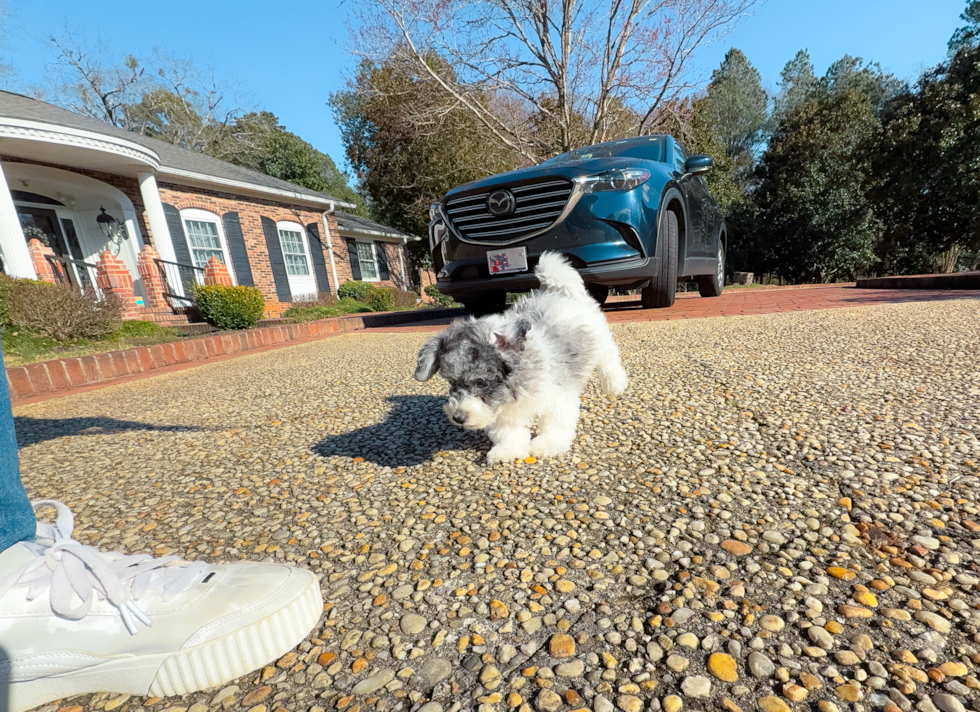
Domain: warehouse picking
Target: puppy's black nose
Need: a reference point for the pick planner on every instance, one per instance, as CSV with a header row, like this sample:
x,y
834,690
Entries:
x,y
459,418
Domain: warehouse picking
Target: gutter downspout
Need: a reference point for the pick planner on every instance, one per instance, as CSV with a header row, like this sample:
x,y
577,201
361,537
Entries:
x,y
326,229
401,259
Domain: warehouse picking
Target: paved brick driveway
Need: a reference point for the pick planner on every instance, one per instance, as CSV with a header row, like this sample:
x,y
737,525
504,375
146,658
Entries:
x,y
737,302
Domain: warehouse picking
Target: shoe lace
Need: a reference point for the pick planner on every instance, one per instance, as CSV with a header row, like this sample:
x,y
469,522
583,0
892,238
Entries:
x,y
68,569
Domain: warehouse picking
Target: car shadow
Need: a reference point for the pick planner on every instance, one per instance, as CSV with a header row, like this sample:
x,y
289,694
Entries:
x,y
31,431
412,432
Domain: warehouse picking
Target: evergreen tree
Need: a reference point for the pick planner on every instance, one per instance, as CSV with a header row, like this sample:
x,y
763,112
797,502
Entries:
x,y
969,34
797,85
737,104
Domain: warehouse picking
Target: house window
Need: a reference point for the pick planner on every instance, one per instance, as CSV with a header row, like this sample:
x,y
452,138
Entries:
x,y
205,238
368,261
294,253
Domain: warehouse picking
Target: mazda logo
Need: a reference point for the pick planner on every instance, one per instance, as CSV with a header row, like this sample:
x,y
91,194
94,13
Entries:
x,y
501,203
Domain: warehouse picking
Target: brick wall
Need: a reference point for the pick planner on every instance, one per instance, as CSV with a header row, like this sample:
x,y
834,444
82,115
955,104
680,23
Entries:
x,y
391,251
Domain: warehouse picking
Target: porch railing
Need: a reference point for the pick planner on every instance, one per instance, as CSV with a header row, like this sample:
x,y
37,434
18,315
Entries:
x,y
178,282
80,275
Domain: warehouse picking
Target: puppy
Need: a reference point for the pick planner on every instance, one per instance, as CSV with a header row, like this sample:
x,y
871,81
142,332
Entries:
x,y
529,365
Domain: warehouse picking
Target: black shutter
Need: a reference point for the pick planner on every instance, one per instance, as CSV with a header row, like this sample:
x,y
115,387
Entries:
x,y
182,253
383,273
316,254
276,261
355,266
236,245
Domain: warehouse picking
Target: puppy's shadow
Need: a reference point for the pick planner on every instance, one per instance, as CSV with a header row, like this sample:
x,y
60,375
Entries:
x,y
413,431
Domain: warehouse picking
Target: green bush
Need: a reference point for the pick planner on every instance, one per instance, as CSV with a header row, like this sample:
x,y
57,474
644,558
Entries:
x,y
381,300
6,294
62,312
227,307
443,300
359,291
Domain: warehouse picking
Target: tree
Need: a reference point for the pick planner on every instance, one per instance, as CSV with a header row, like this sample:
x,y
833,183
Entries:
x,y
968,35
407,147
927,170
737,104
561,60
797,85
849,73
815,223
258,141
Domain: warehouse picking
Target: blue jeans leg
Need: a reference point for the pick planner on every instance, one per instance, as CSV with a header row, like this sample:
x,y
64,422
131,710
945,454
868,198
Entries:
x,y
16,513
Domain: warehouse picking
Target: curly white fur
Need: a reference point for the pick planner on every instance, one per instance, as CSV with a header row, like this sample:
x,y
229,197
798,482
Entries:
x,y
526,368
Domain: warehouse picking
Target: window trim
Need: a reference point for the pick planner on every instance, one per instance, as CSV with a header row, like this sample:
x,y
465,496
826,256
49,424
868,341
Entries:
x,y
374,256
199,215
293,226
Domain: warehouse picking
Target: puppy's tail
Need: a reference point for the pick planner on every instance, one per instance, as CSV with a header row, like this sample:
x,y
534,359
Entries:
x,y
557,275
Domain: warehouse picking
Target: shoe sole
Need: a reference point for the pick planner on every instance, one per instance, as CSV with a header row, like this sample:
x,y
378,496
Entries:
x,y
209,664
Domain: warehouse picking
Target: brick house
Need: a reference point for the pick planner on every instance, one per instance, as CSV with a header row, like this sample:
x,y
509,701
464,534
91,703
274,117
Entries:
x,y
90,203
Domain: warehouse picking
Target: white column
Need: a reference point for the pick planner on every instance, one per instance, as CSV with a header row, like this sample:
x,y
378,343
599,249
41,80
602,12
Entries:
x,y
156,216
333,265
17,260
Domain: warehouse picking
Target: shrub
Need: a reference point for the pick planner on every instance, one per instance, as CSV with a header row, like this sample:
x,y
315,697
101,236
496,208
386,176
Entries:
x,y
6,294
381,300
443,300
61,312
404,299
227,307
359,291
322,299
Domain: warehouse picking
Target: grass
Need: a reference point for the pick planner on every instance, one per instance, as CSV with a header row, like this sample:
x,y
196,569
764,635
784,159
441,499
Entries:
x,y
21,347
311,311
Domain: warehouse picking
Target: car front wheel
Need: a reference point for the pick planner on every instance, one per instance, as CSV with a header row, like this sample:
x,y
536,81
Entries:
x,y
599,292
710,285
662,289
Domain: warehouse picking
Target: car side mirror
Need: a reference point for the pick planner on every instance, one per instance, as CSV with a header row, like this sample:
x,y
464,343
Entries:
x,y
699,164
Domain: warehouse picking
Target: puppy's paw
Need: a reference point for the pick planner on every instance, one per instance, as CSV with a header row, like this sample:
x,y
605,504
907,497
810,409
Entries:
x,y
543,446
614,382
504,454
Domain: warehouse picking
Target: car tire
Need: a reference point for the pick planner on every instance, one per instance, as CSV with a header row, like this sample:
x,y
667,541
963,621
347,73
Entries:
x,y
662,289
711,285
491,303
599,292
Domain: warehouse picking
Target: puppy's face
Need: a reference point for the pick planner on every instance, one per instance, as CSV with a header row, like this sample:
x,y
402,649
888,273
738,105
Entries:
x,y
478,368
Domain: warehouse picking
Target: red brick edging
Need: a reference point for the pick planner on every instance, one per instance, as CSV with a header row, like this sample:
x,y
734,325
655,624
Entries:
x,y
42,377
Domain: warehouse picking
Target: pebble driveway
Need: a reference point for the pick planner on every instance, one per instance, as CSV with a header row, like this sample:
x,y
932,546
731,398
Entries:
x,y
780,513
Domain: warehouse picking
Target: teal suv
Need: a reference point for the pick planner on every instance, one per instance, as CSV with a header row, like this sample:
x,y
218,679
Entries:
x,y
630,214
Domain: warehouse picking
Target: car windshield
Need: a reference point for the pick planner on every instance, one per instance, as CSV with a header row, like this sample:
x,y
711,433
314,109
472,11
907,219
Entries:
x,y
650,149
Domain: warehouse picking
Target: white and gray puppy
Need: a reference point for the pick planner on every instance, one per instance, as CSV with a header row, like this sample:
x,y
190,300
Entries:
x,y
529,365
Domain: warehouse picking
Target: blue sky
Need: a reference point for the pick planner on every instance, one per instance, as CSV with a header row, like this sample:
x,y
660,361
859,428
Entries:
x,y
289,56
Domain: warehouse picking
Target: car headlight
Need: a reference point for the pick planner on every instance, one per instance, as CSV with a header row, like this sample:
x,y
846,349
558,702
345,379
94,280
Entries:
x,y
619,179
434,212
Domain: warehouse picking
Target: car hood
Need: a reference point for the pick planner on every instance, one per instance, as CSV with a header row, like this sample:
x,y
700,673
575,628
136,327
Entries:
x,y
570,170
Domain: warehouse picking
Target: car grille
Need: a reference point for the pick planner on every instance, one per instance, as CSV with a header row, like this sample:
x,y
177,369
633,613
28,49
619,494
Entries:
x,y
538,206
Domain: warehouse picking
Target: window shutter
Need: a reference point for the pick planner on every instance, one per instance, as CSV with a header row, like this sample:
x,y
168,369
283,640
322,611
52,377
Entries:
x,y
236,245
177,237
383,273
355,266
316,255
276,261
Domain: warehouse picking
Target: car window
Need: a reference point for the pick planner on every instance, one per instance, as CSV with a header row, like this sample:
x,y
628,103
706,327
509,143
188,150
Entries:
x,y
649,148
680,159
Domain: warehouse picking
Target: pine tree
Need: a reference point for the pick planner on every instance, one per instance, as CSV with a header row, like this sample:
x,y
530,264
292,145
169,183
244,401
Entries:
x,y
738,104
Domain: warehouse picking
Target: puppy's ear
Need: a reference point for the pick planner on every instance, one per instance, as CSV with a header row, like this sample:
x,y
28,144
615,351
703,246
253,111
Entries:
x,y
512,338
428,359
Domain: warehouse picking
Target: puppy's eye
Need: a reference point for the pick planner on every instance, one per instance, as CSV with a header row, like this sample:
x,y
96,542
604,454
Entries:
x,y
480,383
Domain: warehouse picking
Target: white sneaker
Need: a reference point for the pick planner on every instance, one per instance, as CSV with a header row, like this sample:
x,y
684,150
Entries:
x,y
74,619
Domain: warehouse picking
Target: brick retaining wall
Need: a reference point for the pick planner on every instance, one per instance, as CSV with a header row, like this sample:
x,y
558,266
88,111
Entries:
x,y
36,379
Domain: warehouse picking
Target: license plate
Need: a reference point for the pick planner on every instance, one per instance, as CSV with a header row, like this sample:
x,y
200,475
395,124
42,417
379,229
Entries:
x,y
506,261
